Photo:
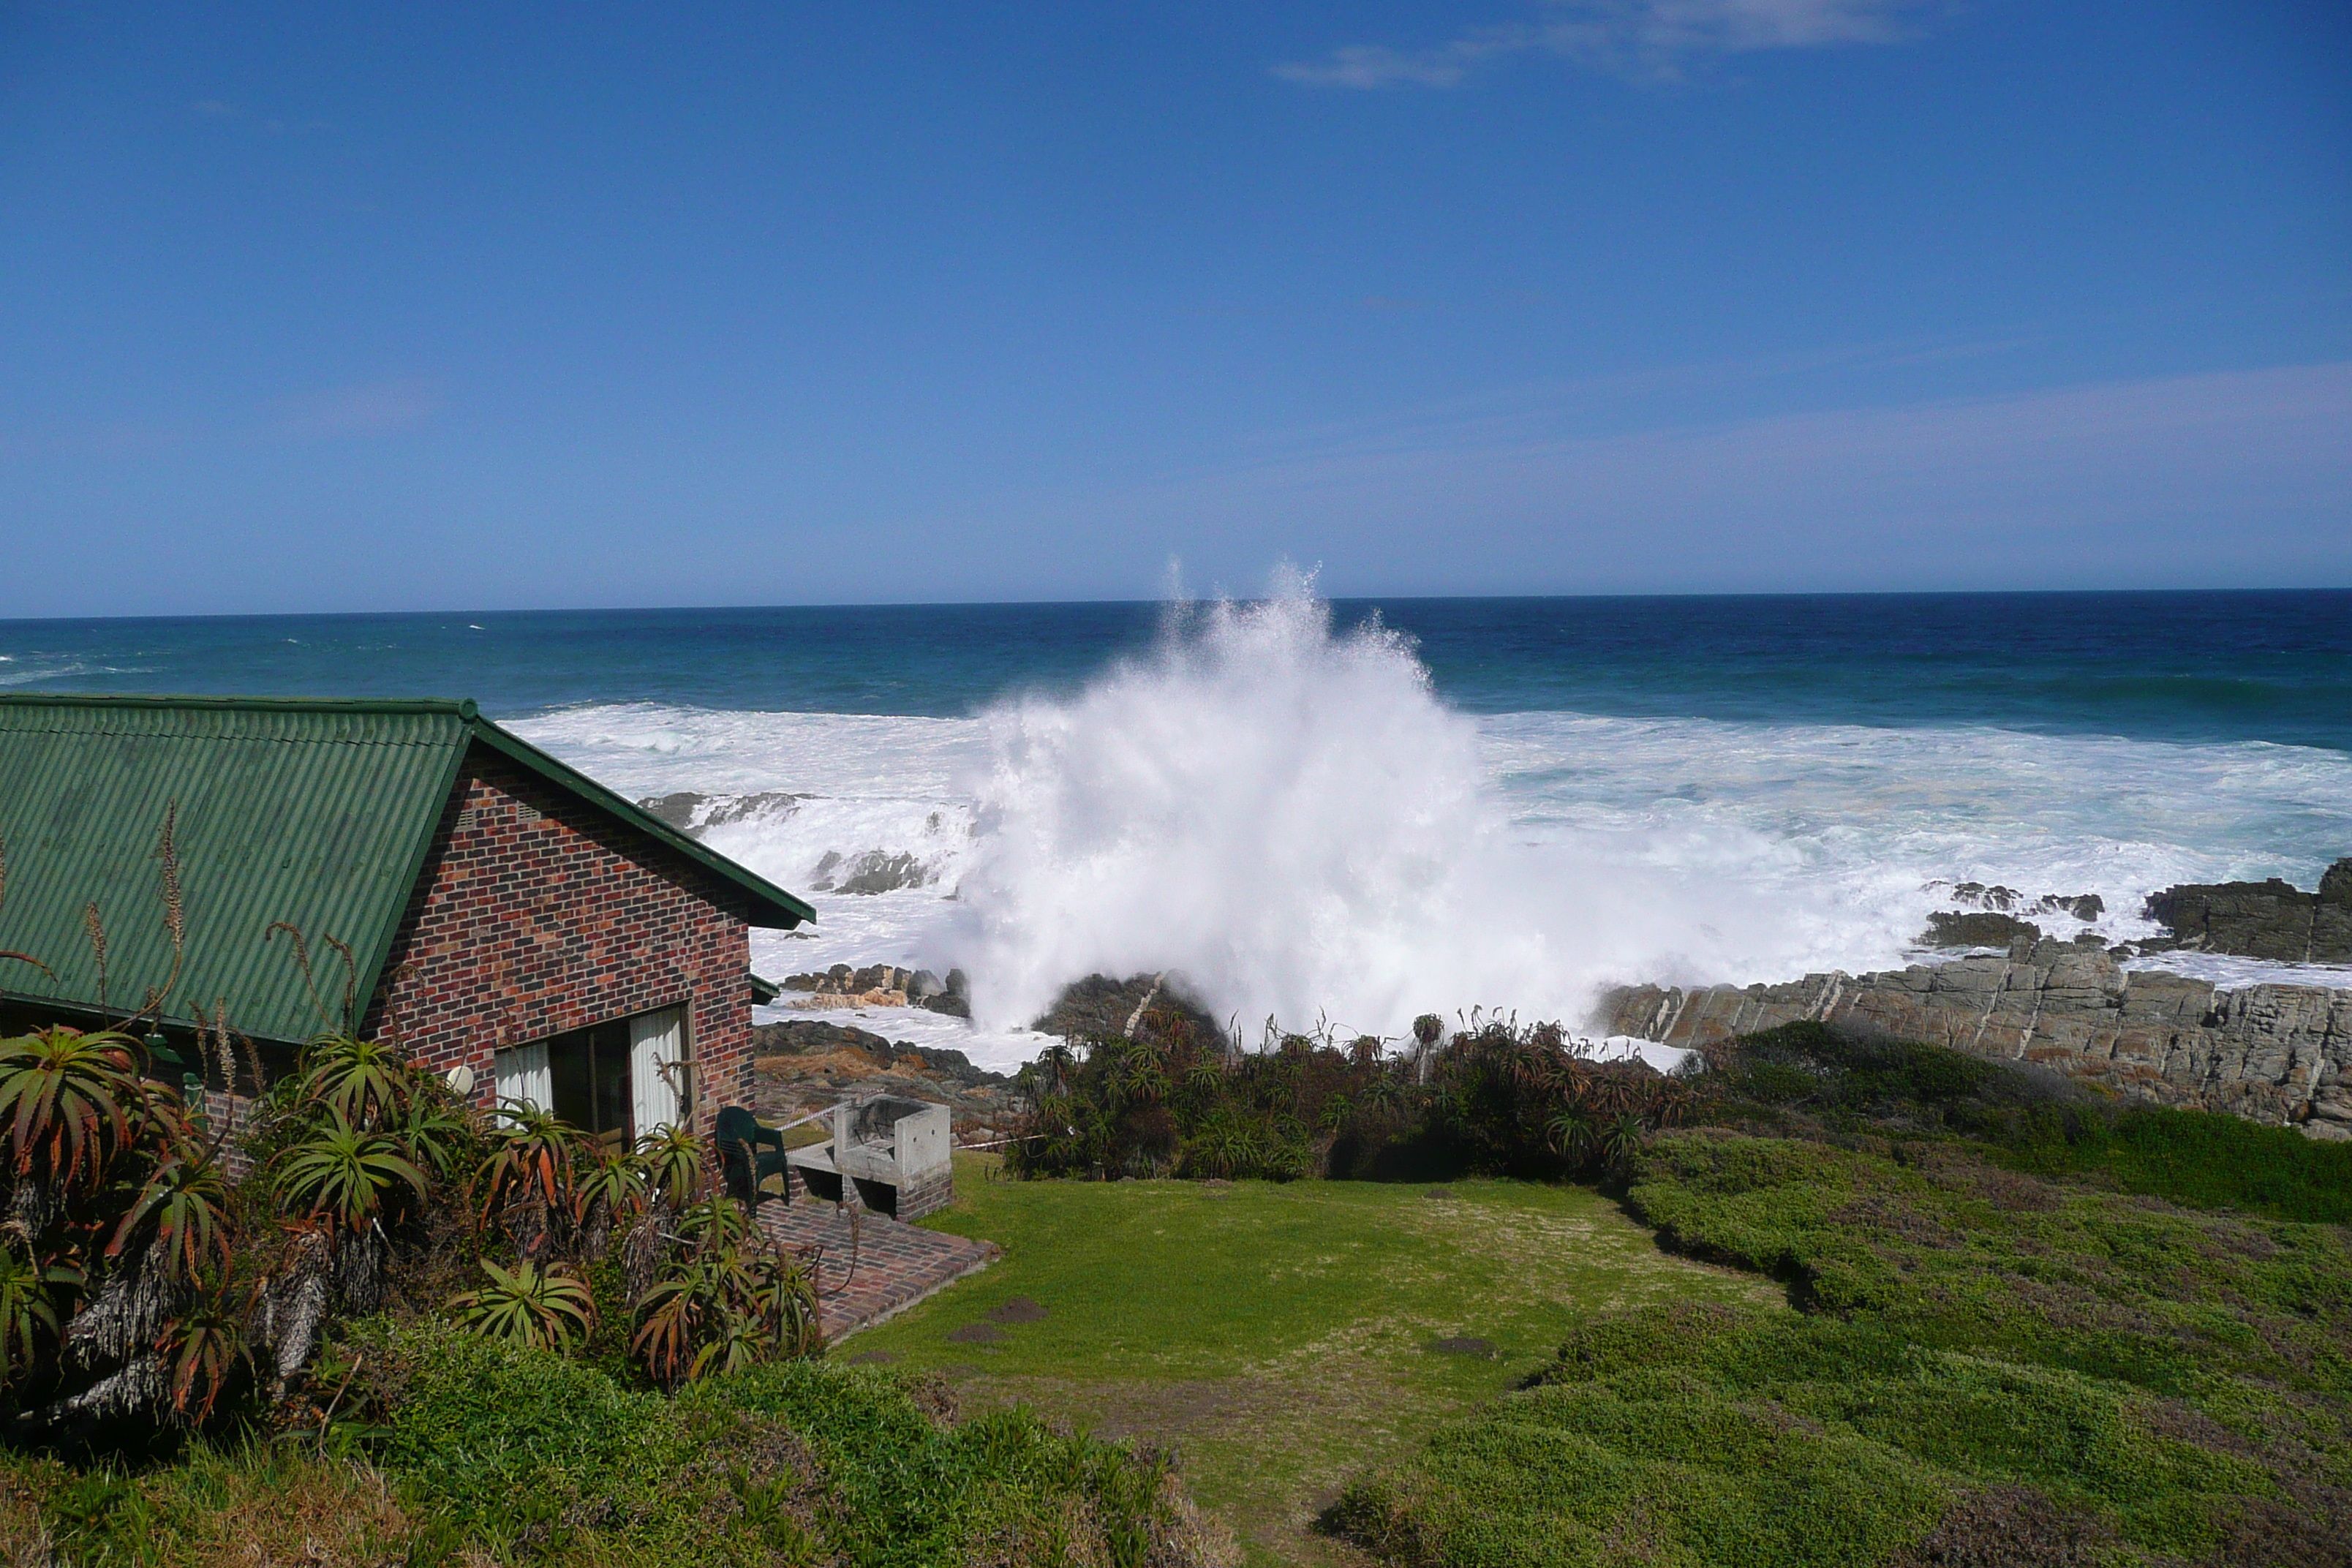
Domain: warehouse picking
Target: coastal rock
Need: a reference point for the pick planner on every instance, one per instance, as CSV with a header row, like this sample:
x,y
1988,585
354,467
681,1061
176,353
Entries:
x,y
883,985
807,1065
2273,919
874,871
694,815
1100,1007
2273,1053
1976,930
954,997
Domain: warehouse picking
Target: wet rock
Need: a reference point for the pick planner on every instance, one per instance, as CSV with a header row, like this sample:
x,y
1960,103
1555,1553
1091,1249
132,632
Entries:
x,y
694,815
2085,907
873,871
1976,930
955,998
2273,919
676,809
1978,896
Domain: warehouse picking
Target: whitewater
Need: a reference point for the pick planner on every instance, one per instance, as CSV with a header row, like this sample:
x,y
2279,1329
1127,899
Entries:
x,y
1288,816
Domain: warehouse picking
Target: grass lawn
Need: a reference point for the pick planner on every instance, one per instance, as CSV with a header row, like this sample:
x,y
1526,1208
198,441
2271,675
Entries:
x,y
1279,1336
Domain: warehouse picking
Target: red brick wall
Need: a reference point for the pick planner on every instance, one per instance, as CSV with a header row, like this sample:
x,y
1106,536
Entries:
x,y
537,914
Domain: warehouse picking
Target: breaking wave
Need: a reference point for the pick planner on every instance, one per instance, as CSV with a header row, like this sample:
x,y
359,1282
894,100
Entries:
x,y
1290,819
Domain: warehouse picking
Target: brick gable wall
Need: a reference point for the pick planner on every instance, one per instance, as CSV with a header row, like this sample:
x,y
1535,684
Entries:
x,y
537,914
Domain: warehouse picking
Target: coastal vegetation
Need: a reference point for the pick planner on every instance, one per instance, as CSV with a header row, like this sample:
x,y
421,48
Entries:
x,y
1984,1367
412,1332
1494,1099
1278,1335
1959,1311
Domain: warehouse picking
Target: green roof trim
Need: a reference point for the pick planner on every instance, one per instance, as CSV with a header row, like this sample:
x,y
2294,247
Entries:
x,y
319,813
764,991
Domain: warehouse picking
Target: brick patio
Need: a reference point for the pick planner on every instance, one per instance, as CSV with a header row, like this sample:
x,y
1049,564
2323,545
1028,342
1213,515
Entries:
x,y
869,1268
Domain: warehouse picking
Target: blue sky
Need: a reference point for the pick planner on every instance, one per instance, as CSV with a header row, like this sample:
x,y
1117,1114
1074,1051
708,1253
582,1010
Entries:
x,y
327,306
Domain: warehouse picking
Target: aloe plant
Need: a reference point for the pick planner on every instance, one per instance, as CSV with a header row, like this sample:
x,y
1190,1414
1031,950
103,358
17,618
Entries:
x,y
186,1199
532,1156
612,1190
677,1164
541,1309
729,1302
342,1175
68,1101
27,1310
366,1080
203,1348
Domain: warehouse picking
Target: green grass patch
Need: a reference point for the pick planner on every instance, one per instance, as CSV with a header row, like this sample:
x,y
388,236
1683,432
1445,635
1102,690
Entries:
x,y
1989,1361
1278,1334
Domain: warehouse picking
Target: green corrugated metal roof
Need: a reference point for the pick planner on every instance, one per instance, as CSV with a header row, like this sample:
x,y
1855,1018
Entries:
x,y
318,813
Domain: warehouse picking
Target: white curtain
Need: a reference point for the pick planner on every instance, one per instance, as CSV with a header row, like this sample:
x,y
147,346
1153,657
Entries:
x,y
656,1068
523,1074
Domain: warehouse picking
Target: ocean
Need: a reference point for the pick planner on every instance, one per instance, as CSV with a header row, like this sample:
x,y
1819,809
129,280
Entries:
x,y
1341,814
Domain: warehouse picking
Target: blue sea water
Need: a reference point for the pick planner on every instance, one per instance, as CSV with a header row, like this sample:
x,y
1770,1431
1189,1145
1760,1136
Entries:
x,y
2212,667
1365,809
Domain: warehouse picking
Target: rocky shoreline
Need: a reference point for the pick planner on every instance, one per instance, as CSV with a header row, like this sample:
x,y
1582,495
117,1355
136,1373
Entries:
x,y
2279,1054
2272,1052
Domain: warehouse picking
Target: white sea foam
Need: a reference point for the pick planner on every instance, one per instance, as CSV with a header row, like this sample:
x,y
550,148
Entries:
x,y
1293,820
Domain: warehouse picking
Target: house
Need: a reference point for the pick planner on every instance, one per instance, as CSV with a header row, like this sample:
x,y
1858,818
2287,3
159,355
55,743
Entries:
x,y
406,869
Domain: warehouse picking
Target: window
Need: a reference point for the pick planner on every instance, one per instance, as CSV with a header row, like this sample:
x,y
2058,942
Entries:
x,y
619,1079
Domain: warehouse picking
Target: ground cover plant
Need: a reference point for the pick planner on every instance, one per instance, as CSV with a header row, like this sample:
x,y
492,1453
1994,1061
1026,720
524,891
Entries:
x,y
1812,1080
485,1451
1989,1367
2036,1325
1277,1335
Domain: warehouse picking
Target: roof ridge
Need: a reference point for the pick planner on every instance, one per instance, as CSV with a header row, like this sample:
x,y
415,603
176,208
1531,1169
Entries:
x,y
463,707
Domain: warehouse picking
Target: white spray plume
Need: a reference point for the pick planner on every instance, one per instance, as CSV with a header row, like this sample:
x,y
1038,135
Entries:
x,y
1293,821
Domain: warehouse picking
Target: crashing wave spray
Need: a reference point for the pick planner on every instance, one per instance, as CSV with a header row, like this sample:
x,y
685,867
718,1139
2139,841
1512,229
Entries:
x,y
1290,819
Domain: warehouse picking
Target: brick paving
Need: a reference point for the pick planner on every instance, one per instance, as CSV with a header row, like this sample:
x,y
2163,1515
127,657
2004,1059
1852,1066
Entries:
x,y
869,1268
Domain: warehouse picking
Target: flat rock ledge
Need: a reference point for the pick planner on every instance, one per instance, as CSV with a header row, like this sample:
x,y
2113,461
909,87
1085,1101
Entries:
x,y
2279,1054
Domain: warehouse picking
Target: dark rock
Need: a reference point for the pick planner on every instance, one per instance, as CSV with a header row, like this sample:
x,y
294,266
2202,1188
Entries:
x,y
923,984
873,871
2273,919
694,815
955,999
676,809
1101,1008
2085,907
1975,895
1946,929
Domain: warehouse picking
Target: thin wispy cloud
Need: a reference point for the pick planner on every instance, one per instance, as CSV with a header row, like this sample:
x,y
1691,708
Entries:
x,y
1650,39
2240,474
366,409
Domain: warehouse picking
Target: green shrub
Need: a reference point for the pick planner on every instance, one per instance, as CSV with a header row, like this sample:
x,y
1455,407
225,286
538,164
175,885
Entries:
x,y
2194,1157
791,1461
